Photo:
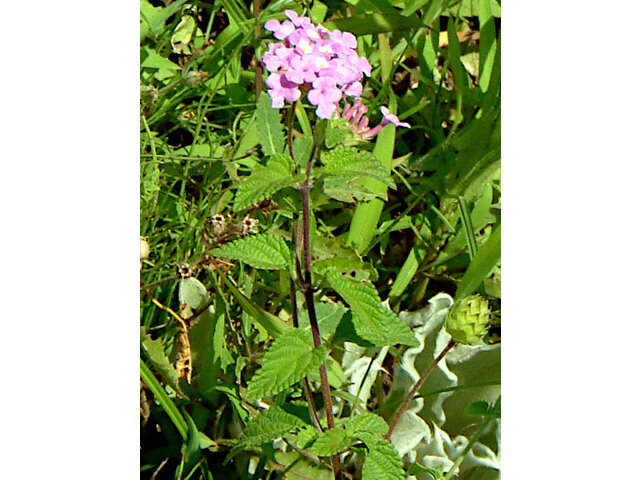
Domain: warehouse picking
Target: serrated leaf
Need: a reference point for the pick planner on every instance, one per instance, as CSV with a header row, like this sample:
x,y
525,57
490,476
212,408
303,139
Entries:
x,y
266,251
264,181
289,359
328,315
330,442
350,163
382,461
306,436
371,320
348,190
367,422
299,468
269,127
158,358
268,426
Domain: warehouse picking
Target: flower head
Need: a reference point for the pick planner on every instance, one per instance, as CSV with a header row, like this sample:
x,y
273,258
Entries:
x,y
326,65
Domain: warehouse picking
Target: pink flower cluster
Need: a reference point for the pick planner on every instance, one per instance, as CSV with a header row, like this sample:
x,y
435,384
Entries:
x,y
312,55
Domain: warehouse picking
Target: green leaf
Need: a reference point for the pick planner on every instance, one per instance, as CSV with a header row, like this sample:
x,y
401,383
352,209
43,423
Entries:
x,y
382,461
193,293
306,436
158,358
269,127
481,265
266,251
367,422
289,359
349,163
299,468
371,319
374,23
365,219
348,190
269,425
272,324
266,180
331,441
328,315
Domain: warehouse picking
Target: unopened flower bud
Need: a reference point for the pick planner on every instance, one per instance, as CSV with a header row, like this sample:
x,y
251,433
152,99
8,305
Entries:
x,y
468,320
144,248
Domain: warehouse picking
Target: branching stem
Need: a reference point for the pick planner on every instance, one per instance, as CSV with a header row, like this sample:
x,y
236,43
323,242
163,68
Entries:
x,y
416,387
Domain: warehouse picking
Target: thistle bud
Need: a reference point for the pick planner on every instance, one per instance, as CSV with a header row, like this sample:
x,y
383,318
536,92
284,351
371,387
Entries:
x,y
468,320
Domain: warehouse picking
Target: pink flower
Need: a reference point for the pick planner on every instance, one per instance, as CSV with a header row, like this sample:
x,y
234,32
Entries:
x,y
280,30
277,57
325,95
390,118
281,89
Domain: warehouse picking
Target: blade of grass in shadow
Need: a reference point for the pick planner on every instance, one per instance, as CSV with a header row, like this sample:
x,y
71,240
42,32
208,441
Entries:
x,y
488,44
467,227
486,258
272,324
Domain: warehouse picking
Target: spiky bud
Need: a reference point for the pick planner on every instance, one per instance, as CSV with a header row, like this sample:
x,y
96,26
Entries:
x,y
468,320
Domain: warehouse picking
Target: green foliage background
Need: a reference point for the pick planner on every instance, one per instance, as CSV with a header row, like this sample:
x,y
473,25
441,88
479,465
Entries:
x,y
421,220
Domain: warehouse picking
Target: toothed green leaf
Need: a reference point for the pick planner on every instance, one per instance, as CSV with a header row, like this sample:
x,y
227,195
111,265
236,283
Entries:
x,y
349,162
289,359
268,426
266,180
264,251
382,461
367,422
371,320
331,442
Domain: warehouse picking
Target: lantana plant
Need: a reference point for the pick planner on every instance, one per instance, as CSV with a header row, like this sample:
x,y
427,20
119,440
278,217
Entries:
x,y
323,66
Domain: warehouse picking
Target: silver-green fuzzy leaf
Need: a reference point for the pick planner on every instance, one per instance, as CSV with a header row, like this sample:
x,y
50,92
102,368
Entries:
x,y
371,320
289,359
266,251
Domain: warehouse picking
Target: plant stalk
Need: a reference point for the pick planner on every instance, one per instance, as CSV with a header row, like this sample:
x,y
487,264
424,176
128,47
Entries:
x,y
305,188
305,382
416,387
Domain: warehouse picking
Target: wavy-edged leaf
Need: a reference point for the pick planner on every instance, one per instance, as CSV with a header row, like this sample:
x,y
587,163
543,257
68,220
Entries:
x,y
266,251
331,441
269,126
289,359
349,162
268,426
266,180
372,321
383,461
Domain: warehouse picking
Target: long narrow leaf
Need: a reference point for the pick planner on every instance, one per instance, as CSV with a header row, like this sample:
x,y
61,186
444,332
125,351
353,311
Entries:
x,y
488,255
